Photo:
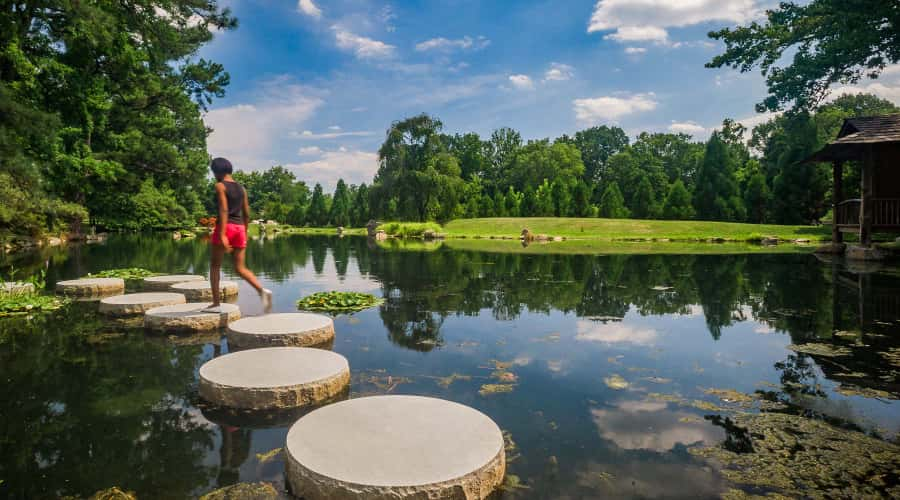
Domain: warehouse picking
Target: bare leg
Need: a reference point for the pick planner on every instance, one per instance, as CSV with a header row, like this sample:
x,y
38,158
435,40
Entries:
x,y
215,272
239,267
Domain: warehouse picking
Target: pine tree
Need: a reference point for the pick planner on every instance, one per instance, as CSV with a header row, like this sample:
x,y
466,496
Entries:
x,y
581,200
612,204
677,205
717,196
757,198
340,205
643,203
318,209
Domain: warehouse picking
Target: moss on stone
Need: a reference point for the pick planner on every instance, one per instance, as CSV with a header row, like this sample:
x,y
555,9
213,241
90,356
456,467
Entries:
x,y
243,491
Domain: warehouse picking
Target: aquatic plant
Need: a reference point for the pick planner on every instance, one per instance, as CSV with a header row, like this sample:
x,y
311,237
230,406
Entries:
x,y
12,304
616,382
338,302
488,389
250,491
268,456
126,273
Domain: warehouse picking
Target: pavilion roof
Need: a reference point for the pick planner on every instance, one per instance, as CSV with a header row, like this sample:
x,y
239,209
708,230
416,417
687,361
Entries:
x,y
857,133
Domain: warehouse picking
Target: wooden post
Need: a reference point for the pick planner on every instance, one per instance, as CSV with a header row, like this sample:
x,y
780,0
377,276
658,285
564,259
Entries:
x,y
837,196
865,211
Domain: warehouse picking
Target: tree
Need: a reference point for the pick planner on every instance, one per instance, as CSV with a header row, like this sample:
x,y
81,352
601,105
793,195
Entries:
x,y
340,205
318,208
501,149
677,205
562,198
716,196
359,213
643,203
543,200
597,145
831,41
612,205
799,188
540,160
581,200
757,198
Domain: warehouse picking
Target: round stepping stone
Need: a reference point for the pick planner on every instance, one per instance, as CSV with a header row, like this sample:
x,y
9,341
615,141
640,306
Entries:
x,y
202,290
163,283
286,329
138,303
395,447
16,287
91,287
274,377
190,317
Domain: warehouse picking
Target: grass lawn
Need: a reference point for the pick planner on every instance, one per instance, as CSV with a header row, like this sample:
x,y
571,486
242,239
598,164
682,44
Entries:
x,y
600,247
630,229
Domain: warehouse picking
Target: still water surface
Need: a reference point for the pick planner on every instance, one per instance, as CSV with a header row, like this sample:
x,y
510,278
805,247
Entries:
x,y
586,346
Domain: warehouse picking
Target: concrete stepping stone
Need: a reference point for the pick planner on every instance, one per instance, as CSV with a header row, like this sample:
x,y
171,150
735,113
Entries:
x,y
138,303
274,377
395,447
91,287
163,283
190,317
285,329
202,290
16,287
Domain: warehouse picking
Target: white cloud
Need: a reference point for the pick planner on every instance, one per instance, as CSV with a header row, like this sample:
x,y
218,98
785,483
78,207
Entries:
x,y
609,108
355,167
639,34
633,51
309,151
885,87
647,20
757,119
688,127
334,127
309,8
559,72
613,333
310,135
246,133
447,44
522,82
362,47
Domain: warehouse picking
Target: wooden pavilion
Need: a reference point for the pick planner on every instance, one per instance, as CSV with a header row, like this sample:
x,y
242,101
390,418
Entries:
x,y
874,142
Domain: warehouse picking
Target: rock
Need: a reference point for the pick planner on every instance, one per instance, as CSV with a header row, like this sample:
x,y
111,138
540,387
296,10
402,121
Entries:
x,y
190,317
801,240
855,252
340,230
831,248
429,234
398,447
380,235
769,240
91,287
557,238
542,237
243,491
197,291
53,241
113,493
278,330
16,287
526,235
371,228
274,377
138,303
163,283
176,235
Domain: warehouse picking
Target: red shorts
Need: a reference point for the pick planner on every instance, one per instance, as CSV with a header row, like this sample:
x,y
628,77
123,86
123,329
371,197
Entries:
x,y
236,234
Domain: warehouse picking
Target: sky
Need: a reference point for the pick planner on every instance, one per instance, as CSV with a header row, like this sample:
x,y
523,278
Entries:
x,y
316,83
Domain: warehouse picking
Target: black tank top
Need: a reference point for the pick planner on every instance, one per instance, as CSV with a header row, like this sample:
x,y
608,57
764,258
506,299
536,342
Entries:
x,y
234,193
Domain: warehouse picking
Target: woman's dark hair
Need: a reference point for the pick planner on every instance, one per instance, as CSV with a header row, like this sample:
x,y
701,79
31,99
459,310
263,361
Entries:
x,y
221,166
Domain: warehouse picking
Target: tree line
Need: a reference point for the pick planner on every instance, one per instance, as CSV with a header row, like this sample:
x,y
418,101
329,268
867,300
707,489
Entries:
x,y
757,175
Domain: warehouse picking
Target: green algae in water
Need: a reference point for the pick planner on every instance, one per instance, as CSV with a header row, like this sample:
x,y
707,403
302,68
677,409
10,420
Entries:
x,y
490,389
338,302
447,381
729,395
818,349
19,304
512,484
244,491
125,273
801,457
504,377
616,382
268,456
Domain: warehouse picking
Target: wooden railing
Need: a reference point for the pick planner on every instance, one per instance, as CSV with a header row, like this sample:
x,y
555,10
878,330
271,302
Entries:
x,y
847,213
885,213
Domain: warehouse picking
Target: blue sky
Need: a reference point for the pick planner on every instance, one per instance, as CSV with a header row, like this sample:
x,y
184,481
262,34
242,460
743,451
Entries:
x,y
315,83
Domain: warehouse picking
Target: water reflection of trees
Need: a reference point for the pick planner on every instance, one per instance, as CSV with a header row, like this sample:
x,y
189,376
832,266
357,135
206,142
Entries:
x,y
788,292
88,407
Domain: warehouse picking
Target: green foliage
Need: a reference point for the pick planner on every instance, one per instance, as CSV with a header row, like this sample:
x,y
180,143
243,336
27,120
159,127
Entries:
x,y
340,205
127,273
829,42
409,229
757,199
677,205
14,304
643,204
338,302
612,205
716,196
318,207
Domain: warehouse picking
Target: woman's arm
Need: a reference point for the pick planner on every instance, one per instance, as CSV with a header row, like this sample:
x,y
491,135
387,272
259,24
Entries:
x,y
246,209
223,214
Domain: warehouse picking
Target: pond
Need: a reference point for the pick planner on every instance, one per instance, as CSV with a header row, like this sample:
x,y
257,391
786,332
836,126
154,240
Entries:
x,y
607,373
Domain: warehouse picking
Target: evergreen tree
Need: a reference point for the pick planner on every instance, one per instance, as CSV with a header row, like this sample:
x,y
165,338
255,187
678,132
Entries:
x,y
318,208
562,198
799,187
677,205
581,200
543,200
340,205
360,210
643,203
612,205
757,198
716,196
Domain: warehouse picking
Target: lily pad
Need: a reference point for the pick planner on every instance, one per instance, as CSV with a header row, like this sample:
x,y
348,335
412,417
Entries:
x,y
616,382
338,302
